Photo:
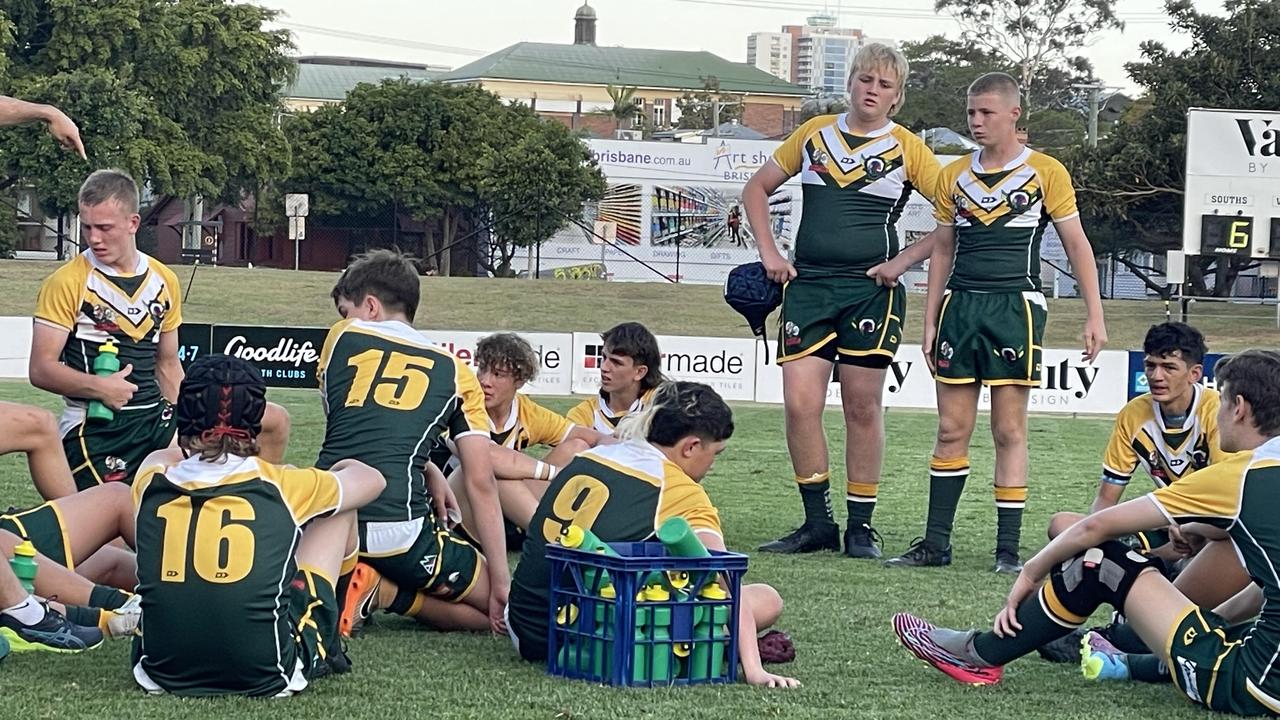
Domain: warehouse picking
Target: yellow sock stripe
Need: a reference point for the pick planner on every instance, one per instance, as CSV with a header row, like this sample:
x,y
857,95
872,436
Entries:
x,y
310,574
1011,496
813,479
418,601
862,492
349,563
949,466
1057,611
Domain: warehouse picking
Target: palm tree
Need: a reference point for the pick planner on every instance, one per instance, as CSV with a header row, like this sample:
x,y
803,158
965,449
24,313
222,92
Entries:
x,y
624,106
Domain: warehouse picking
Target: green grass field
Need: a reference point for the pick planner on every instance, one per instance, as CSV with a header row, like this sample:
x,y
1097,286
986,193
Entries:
x,y
837,609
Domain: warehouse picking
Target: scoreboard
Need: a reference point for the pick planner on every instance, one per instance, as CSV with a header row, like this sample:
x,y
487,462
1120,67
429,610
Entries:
x,y
1231,206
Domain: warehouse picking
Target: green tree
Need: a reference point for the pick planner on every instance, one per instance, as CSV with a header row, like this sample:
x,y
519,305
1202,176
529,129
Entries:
x,y
1031,34
448,156
534,186
181,93
813,107
943,68
1132,184
623,109
697,110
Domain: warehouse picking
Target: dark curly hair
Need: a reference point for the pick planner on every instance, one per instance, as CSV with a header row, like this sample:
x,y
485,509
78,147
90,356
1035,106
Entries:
x,y
509,352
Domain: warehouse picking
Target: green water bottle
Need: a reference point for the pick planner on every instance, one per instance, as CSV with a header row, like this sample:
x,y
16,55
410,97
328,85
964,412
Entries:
x,y
710,633
24,565
580,538
653,663
602,642
680,539
107,363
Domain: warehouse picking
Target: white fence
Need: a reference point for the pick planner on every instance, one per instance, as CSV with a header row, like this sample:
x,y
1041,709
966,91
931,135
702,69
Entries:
x,y
739,369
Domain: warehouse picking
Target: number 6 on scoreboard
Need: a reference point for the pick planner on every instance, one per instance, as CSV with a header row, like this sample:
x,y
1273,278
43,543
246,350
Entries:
x,y
1239,235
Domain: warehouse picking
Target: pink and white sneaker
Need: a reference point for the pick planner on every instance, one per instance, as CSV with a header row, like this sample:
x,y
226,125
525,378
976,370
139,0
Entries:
x,y
915,635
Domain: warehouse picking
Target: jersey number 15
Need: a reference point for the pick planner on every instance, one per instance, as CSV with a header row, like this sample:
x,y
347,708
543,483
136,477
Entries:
x,y
398,381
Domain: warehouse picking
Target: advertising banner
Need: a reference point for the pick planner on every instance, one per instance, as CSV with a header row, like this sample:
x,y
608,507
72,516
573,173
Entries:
x,y
1137,380
726,364
286,357
1068,384
554,351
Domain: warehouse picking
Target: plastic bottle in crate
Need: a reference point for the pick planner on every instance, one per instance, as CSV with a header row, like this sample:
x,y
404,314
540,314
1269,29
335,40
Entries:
x,y
655,657
710,631
602,644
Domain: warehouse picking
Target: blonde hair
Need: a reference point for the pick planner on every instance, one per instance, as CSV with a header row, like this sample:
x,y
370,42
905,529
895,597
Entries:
x,y
217,449
875,56
997,83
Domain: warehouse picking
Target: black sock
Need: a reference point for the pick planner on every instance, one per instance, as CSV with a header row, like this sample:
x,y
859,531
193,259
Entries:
x,y
403,602
1125,638
1010,502
860,500
815,493
1148,668
946,484
86,616
107,598
1038,629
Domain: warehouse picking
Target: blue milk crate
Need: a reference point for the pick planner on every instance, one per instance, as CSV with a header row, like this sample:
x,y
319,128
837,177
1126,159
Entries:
x,y
615,638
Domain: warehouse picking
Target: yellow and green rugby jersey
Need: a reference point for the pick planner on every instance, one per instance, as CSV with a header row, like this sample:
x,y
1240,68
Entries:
x,y
854,189
596,414
622,493
1142,436
216,556
94,304
999,218
1240,495
528,424
389,395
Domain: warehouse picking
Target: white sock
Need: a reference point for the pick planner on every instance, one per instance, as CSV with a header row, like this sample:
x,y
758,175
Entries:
x,y
27,612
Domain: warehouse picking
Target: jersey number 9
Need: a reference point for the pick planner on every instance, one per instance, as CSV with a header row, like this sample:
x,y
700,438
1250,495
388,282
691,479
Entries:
x,y
579,503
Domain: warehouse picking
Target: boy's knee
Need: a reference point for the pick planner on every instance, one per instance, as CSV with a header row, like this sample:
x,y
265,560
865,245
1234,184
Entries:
x,y
766,603
275,418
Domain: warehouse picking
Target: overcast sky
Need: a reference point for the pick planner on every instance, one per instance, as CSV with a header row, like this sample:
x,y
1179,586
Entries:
x,y
455,33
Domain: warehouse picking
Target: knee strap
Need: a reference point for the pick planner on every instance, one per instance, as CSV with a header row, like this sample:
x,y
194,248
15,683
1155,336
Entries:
x,y
1102,574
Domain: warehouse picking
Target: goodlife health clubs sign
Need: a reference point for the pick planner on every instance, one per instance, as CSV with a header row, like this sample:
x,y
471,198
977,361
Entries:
x,y
286,357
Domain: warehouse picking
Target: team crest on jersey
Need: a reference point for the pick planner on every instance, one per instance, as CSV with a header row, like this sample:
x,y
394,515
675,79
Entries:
x,y
962,202
1199,459
867,325
104,318
158,309
1010,355
792,331
1018,200
819,164
117,469
875,168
